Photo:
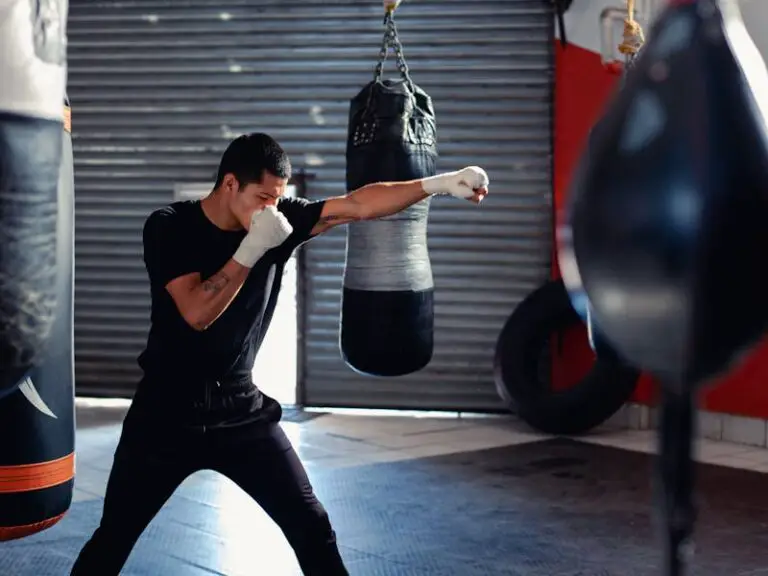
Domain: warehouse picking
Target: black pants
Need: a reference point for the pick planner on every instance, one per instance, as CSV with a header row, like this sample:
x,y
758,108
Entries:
x,y
153,458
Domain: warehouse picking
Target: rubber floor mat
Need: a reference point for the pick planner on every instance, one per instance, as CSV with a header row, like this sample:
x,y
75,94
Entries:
x,y
549,508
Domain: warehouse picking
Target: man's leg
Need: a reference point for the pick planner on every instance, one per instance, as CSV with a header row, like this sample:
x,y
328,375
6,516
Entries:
x,y
261,460
148,466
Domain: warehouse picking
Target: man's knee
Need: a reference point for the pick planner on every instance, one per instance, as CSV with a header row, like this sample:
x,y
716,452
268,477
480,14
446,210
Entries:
x,y
322,522
314,541
318,519
311,527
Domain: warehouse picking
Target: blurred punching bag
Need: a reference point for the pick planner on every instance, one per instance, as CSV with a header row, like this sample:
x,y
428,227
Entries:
x,y
37,466
32,80
669,207
387,304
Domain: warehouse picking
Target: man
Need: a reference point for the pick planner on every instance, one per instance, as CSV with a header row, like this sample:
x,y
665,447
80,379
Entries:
x,y
215,268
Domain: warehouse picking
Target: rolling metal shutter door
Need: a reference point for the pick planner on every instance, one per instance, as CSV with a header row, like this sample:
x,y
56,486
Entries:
x,y
159,87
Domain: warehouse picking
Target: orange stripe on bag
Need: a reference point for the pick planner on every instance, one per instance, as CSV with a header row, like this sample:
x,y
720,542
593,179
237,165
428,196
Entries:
x,y
14,532
29,477
68,119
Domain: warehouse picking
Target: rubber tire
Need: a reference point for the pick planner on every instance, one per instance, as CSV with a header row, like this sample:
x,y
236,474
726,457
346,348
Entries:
x,y
576,410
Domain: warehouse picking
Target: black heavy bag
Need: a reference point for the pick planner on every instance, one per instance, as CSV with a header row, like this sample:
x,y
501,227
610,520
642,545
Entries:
x,y
387,305
37,465
668,221
32,79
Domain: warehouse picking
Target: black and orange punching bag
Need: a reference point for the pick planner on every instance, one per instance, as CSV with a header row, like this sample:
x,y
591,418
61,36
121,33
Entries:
x,y
37,420
668,221
387,318
33,77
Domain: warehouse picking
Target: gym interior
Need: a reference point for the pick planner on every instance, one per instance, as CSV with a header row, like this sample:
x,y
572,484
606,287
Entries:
x,y
517,450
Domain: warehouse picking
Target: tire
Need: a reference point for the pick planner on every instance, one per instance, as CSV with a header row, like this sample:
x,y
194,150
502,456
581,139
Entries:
x,y
525,336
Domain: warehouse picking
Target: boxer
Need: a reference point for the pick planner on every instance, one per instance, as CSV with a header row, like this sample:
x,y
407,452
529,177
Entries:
x,y
215,268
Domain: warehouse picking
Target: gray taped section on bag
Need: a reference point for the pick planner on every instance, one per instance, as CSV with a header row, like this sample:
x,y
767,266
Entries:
x,y
390,254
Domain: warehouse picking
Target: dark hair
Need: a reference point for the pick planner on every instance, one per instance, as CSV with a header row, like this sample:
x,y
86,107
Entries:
x,y
248,156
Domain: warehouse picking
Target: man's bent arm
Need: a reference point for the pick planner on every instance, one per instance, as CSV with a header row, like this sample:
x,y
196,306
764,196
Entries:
x,y
201,302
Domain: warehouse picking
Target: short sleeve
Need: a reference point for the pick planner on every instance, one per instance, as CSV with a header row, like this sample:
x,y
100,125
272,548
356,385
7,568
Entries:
x,y
302,214
166,251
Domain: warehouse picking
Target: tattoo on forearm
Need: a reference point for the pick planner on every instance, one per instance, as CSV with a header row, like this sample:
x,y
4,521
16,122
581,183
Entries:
x,y
216,282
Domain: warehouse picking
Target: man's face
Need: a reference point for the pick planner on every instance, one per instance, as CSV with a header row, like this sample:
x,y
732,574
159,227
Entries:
x,y
245,200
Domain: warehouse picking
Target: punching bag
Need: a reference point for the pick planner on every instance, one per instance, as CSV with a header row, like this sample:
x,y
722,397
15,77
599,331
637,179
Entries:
x,y
669,208
668,225
37,460
32,81
387,318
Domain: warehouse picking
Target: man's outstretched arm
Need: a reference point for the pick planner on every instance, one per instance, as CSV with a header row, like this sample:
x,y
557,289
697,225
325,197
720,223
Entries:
x,y
387,198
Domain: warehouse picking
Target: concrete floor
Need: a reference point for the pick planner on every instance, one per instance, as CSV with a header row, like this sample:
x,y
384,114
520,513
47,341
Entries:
x,y
329,443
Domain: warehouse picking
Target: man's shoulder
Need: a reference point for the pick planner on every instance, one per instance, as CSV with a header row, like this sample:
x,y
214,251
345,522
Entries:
x,y
171,215
175,210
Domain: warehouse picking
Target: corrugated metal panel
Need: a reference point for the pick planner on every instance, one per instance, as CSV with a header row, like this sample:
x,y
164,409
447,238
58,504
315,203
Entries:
x,y
159,87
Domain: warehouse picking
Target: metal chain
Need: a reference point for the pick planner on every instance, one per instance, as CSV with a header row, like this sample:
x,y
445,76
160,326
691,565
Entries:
x,y
392,40
402,65
383,51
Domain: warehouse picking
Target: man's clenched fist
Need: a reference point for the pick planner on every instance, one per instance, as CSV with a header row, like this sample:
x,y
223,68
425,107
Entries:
x,y
470,183
268,229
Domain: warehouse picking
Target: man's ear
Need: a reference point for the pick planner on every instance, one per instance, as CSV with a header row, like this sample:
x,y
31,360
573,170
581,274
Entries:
x,y
231,185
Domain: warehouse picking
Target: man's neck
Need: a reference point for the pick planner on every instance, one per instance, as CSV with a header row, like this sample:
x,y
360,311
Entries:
x,y
216,210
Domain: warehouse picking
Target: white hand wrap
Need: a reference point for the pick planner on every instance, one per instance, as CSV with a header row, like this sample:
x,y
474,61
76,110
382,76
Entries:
x,y
461,184
269,228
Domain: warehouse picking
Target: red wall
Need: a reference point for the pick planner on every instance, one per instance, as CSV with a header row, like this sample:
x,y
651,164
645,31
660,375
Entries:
x,y
582,86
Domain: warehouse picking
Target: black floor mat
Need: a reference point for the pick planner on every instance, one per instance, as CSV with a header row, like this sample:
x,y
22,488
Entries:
x,y
550,508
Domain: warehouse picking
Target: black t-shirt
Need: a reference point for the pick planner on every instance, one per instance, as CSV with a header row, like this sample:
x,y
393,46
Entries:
x,y
179,239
